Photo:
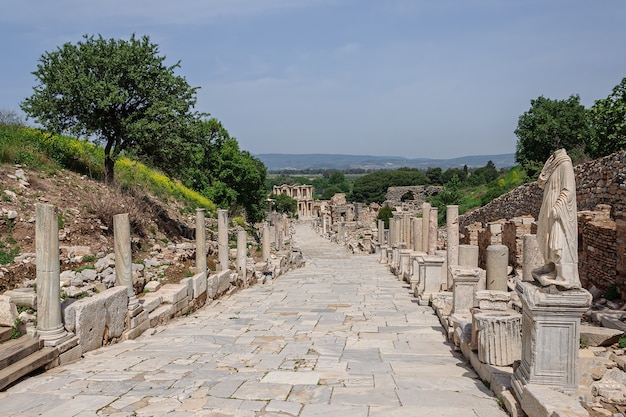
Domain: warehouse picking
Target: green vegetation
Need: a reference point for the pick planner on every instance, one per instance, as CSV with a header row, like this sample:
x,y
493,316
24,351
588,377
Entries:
x,y
622,342
585,133
373,187
284,204
384,214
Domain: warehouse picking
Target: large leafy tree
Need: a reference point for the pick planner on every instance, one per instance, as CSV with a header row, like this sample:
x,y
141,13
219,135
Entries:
x,y
608,119
550,125
119,92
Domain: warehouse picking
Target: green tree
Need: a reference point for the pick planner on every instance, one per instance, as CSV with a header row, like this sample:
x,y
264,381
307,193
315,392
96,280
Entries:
x,y
384,214
550,125
284,204
608,120
119,92
373,187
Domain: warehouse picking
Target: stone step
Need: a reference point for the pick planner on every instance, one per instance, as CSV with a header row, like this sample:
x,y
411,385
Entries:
x,y
27,365
5,333
17,349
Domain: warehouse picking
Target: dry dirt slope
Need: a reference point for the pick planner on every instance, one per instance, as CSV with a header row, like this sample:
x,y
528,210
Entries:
x,y
85,210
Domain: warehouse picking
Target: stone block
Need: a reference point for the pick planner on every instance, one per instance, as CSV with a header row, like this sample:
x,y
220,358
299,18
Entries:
x,y
599,336
199,284
492,300
173,293
137,331
89,322
218,284
138,319
8,311
499,337
181,307
161,315
541,401
152,286
150,302
23,297
116,307
189,283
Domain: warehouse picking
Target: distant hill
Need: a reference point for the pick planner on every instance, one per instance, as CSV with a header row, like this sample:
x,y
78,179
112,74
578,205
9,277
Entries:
x,y
278,162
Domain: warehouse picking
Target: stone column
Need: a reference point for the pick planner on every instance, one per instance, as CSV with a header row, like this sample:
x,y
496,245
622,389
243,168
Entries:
x,y
398,232
49,320
499,337
222,239
452,247
408,229
531,257
425,223
200,242
381,232
417,234
340,233
550,336
432,231
123,258
392,234
468,256
266,242
497,260
242,243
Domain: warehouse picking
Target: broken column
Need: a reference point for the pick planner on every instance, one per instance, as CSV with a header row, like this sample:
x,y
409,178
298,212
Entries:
x,y
452,229
468,256
200,242
123,258
499,337
497,267
531,258
49,321
222,239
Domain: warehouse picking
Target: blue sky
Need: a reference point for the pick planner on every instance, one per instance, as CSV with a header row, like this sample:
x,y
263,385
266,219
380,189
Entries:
x,y
413,78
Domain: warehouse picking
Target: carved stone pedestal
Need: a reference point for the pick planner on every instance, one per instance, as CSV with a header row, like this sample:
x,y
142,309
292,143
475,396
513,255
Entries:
x,y
551,331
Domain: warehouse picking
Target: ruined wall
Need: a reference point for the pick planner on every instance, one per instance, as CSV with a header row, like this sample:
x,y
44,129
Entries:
x,y
602,181
597,251
418,192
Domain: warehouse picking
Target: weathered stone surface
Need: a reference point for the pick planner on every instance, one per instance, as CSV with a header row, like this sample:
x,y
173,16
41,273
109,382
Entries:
x,y
90,322
116,306
499,337
8,311
541,401
199,283
218,284
152,286
150,301
173,293
492,300
599,336
25,297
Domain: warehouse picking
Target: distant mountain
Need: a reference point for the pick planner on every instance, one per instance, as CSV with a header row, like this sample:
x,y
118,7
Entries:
x,y
279,162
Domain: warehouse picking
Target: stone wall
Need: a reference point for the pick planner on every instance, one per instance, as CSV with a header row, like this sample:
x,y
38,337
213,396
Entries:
x,y
597,252
418,193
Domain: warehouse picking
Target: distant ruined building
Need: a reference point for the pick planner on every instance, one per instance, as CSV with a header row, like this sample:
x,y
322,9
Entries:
x,y
303,194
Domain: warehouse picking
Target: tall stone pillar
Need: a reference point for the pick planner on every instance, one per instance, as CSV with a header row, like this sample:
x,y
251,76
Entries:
x,y
452,247
222,239
497,267
123,258
392,234
425,225
200,242
408,230
398,232
341,234
417,234
49,320
432,231
381,232
266,242
242,241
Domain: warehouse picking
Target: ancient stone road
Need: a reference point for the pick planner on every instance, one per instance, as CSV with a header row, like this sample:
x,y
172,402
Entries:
x,y
339,337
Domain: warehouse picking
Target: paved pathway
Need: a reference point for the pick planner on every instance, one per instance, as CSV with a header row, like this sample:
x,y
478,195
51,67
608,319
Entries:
x,y
339,337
